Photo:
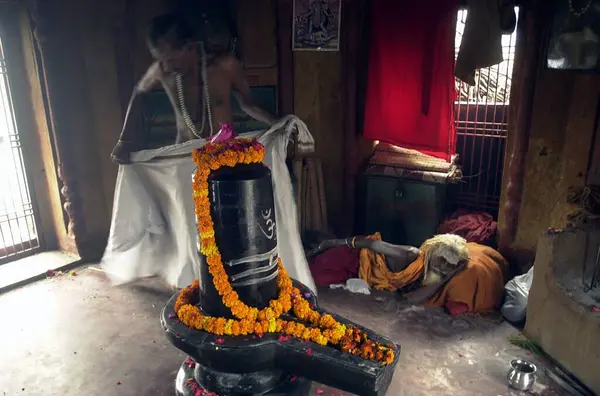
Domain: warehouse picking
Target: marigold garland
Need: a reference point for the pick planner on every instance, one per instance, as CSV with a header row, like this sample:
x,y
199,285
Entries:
x,y
321,329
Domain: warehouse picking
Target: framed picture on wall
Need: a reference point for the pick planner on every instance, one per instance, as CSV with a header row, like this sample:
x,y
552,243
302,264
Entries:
x,y
316,25
574,42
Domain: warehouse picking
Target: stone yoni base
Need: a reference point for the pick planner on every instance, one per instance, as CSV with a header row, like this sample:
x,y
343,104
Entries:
x,y
255,365
194,379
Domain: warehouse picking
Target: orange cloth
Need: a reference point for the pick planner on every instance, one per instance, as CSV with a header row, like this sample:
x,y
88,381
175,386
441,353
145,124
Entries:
x,y
480,286
373,269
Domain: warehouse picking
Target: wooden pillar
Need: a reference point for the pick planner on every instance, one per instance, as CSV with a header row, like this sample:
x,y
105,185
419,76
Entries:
x,y
593,173
71,122
352,30
529,61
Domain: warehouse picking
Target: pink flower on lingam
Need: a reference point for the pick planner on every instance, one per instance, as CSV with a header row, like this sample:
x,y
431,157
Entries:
x,y
226,133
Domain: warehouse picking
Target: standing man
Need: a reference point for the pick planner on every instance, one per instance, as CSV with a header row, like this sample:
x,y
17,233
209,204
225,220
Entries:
x,y
198,80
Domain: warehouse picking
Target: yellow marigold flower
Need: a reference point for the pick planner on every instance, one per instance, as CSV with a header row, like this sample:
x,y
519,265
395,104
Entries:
x,y
306,334
272,326
228,327
253,314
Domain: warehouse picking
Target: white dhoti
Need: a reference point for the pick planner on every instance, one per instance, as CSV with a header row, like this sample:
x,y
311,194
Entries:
x,y
153,230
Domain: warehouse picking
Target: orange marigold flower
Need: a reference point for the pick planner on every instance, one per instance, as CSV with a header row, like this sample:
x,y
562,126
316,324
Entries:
x,y
327,321
269,314
253,313
247,326
289,328
264,326
280,325
235,328
230,298
314,317
262,315
389,357
315,333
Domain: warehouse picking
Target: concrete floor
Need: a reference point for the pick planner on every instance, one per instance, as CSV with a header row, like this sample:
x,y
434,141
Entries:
x,y
78,335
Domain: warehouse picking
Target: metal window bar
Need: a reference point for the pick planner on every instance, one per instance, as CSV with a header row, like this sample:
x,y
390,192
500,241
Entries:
x,y
18,226
481,127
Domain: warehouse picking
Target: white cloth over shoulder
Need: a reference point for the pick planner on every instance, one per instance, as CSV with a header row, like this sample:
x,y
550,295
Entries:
x,y
153,230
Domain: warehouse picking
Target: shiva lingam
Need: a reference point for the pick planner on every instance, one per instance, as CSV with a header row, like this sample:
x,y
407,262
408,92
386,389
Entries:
x,y
247,327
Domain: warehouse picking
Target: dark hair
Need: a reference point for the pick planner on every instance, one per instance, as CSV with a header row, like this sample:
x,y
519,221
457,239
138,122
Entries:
x,y
171,28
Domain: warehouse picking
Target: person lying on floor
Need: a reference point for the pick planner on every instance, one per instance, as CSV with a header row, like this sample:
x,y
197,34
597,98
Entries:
x,y
445,271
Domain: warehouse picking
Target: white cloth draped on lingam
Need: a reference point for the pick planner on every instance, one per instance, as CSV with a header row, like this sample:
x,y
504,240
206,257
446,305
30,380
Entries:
x,y
153,230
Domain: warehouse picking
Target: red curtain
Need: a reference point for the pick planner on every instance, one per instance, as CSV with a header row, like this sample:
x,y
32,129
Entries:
x,y
410,88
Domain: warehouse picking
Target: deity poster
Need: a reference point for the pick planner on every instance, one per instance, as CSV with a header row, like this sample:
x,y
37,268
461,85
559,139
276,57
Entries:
x,y
316,25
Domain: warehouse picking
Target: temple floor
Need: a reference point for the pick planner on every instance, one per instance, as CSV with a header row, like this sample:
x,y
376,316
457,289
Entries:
x,y
74,335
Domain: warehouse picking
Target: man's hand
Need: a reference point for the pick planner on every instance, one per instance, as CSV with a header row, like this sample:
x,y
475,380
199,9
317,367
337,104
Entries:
x,y
425,292
121,154
422,294
128,142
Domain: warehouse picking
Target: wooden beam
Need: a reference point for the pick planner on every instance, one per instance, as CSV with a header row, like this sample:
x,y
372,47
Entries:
x,y
285,9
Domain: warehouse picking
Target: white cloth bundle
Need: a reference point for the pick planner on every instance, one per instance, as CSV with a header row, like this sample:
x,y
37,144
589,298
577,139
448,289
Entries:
x,y
153,230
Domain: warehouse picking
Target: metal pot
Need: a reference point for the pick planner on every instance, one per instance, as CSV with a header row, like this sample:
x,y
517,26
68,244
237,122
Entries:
x,y
521,375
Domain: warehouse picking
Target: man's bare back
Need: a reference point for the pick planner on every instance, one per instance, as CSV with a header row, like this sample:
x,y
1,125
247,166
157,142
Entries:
x,y
224,76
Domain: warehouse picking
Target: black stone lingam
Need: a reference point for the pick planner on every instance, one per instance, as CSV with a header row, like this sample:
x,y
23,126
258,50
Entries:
x,y
243,213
